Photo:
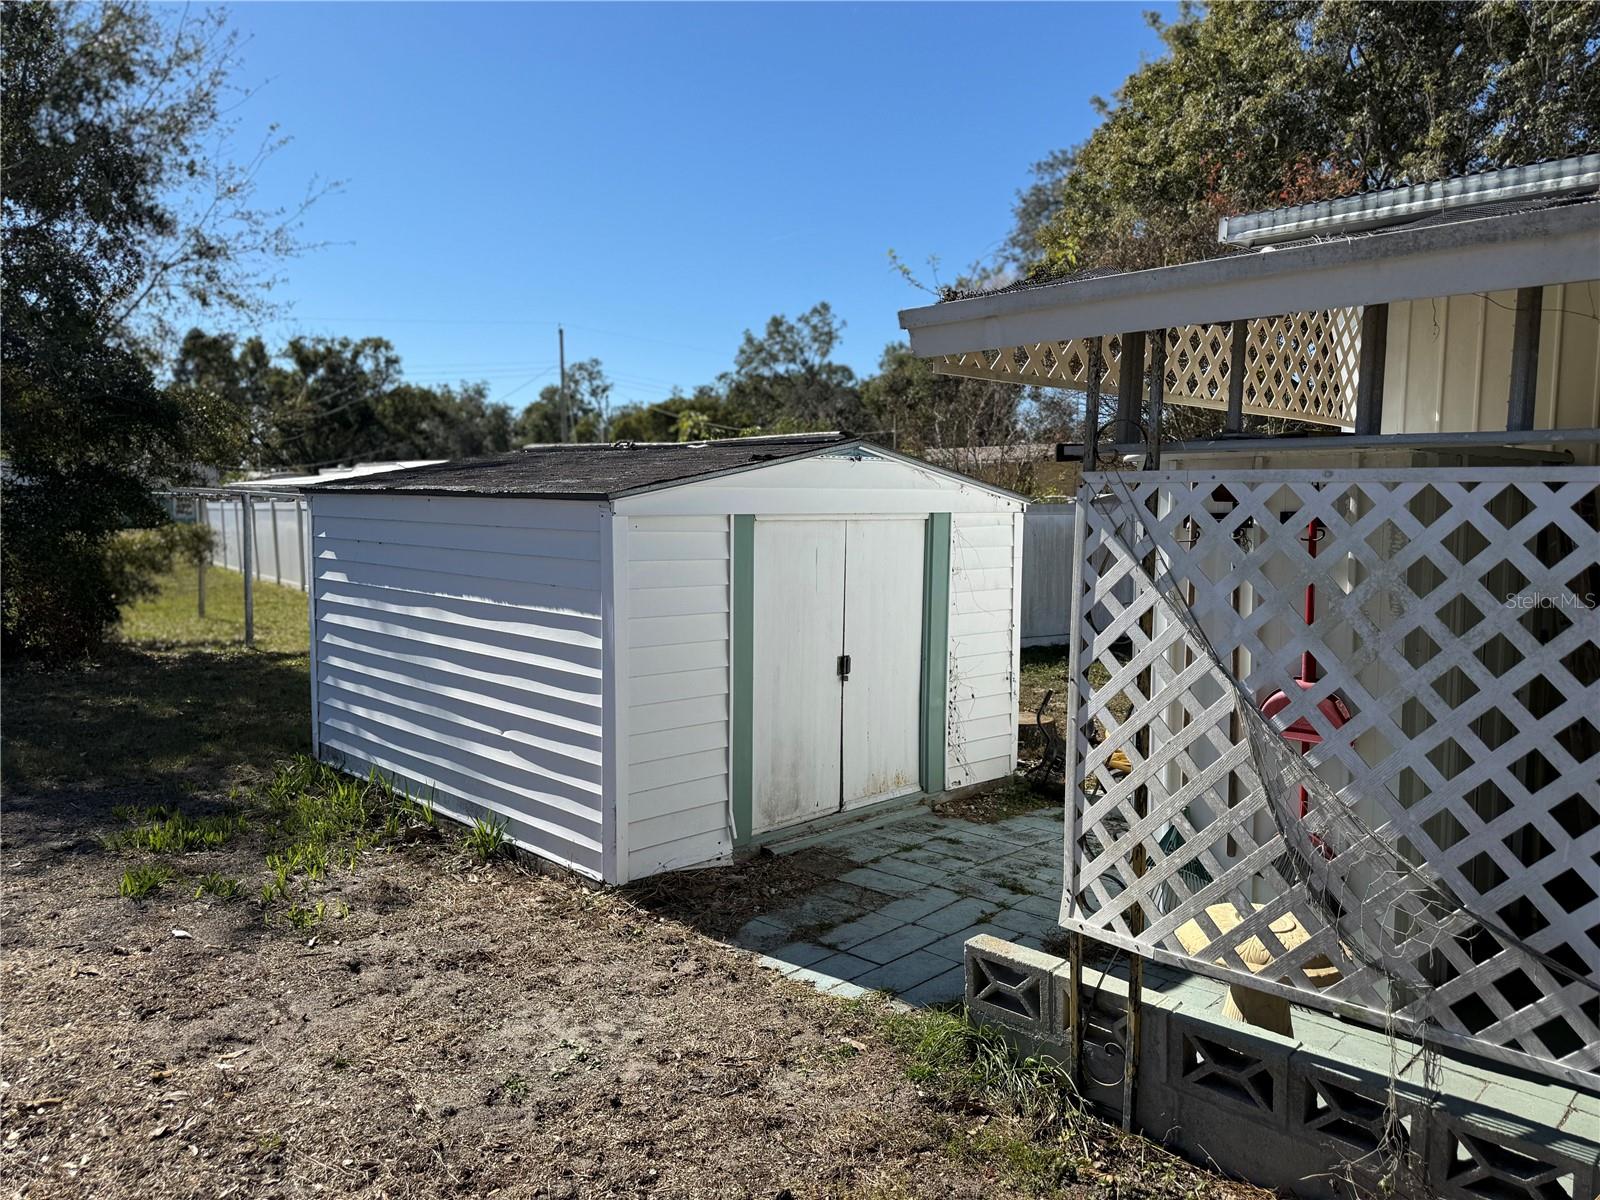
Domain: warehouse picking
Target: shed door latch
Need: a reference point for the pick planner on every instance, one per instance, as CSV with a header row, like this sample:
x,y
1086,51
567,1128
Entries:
x,y
843,666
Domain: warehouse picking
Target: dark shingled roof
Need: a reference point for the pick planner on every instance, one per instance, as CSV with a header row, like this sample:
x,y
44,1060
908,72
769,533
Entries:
x,y
589,471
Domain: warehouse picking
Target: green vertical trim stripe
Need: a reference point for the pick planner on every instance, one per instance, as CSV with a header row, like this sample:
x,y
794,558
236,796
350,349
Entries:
x,y
935,650
743,683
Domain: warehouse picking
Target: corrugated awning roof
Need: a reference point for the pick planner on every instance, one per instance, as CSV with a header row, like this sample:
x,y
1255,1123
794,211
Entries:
x,y
592,471
1477,253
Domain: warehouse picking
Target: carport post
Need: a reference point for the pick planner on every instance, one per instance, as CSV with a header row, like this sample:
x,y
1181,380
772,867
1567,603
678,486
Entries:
x,y
300,537
200,585
248,542
277,559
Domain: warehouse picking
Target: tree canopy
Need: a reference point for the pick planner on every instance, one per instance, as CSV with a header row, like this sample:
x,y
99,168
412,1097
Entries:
x,y
115,211
1261,103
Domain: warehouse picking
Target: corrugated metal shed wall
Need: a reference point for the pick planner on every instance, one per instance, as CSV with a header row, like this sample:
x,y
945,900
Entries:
x,y
677,608
458,646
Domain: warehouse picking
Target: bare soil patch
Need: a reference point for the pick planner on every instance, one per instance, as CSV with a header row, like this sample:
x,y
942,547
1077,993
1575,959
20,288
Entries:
x,y
463,1031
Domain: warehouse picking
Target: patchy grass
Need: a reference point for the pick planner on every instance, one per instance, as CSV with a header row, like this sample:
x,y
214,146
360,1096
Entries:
x,y
166,829
215,883
317,817
966,1063
486,840
143,881
177,700
170,619
1024,1119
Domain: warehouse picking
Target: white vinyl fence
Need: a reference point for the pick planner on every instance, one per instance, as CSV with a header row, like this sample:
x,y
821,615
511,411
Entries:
x,y
281,528
281,531
1046,573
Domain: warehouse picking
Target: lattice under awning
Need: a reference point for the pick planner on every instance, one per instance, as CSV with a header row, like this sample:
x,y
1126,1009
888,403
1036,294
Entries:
x,y
1300,366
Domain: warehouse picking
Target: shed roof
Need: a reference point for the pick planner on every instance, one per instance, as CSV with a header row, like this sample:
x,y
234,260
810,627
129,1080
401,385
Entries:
x,y
591,471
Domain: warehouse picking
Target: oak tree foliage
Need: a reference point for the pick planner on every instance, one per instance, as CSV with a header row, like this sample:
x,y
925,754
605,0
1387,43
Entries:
x,y
118,213
1261,103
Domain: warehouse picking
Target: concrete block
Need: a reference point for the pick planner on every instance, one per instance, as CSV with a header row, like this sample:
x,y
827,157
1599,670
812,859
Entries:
x,y
863,928
1011,985
841,966
919,904
958,915
1472,1155
907,868
881,881
792,955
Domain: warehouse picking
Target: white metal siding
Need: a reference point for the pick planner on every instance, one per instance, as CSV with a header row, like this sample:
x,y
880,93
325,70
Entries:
x,y
1448,367
678,694
984,558
457,644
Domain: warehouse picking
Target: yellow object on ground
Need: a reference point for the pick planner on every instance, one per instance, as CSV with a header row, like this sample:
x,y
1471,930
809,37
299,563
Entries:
x,y
1261,1009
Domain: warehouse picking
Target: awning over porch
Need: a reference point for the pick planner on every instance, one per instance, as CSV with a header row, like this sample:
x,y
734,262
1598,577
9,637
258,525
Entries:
x,y
1303,317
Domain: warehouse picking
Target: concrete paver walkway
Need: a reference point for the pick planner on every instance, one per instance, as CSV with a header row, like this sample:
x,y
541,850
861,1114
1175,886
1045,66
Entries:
x,y
923,886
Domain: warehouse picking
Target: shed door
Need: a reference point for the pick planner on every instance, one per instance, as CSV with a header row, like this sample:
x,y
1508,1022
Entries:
x,y
883,637
826,589
798,637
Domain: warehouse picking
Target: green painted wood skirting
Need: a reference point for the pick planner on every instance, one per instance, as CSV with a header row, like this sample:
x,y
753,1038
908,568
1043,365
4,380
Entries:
x,y
743,684
935,650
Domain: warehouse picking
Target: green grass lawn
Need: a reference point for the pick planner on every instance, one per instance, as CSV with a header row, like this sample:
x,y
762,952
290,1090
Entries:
x,y
171,619
174,700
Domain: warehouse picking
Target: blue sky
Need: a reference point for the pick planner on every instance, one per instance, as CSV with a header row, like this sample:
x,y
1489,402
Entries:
x,y
658,178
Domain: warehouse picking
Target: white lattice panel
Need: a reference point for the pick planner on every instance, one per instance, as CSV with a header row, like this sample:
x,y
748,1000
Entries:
x,y
1455,623
1302,365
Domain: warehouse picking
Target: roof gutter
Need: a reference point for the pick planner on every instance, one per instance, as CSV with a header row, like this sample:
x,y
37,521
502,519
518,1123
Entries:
x,y
1528,249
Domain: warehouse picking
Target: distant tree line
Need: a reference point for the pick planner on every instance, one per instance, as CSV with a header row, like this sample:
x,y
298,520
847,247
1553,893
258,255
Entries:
x,y
121,218
317,402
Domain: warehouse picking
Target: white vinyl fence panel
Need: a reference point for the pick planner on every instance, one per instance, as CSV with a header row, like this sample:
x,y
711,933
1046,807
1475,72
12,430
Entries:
x,y
1046,573
281,532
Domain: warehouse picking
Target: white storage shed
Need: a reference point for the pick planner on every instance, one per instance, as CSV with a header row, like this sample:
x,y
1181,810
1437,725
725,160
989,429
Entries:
x,y
644,657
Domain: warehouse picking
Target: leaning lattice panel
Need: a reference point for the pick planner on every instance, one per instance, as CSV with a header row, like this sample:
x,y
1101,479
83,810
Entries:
x,y
1300,366
1391,809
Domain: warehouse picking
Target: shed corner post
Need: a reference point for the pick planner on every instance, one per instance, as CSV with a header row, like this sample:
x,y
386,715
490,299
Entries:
x,y
614,809
933,734
308,560
741,781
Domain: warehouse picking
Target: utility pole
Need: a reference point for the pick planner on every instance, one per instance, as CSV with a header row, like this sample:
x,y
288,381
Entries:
x,y
566,413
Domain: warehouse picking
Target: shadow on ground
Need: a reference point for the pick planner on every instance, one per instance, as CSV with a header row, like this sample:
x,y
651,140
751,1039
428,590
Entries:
x,y
191,722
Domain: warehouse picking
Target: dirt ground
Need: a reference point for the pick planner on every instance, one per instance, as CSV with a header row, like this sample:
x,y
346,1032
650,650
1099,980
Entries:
x,y
463,1031
447,1028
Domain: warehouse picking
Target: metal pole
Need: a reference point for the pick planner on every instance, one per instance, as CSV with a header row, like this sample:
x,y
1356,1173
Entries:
x,y
1369,369
1091,407
300,537
1158,392
1524,359
200,584
277,558
566,416
248,522
1238,351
